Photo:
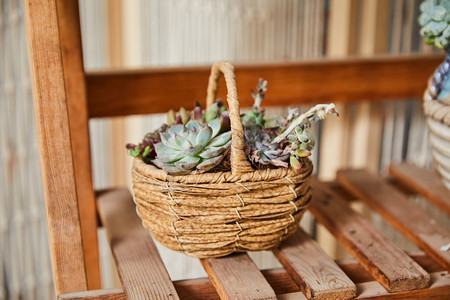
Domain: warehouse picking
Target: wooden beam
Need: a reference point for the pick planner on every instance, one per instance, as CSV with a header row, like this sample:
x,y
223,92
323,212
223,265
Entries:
x,y
393,268
72,59
140,267
106,294
200,289
279,280
57,161
425,182
119,93
318,276
394,207
237,277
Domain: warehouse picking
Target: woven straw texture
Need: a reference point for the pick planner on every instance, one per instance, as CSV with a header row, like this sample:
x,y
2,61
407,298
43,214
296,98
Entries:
x,y
438,121
215,214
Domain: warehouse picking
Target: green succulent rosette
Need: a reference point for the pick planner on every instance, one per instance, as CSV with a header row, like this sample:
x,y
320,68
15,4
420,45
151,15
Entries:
x,y
435,19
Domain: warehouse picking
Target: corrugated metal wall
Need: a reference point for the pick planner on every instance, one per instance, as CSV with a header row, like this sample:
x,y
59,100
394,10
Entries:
x,y
25,271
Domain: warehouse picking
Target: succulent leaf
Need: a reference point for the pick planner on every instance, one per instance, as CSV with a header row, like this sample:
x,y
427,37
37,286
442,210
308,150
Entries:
x,y
209,163
184,115
187,163
215,126
204,135
220,140
170,117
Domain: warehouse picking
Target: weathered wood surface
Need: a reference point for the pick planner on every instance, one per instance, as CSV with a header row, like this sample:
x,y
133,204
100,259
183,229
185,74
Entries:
x,y
237,277
140,267
284,286
425,182
393,268
358,274
119,93
312,269
75,85
106,294
57,162
438,290
403,214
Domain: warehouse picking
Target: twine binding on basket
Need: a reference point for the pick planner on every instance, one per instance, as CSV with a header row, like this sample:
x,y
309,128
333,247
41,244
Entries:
x,y
215,214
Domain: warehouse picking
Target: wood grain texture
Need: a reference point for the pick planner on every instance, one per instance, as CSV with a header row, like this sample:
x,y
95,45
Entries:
x,y
202,288
237,277
395,270
140,267
403,214
57,163
75,85
358,274
119,93
107,294
425,182
292,296
283,285
313,270
438,290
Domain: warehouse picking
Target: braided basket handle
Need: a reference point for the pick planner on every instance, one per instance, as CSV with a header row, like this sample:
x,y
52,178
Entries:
x,y
239,162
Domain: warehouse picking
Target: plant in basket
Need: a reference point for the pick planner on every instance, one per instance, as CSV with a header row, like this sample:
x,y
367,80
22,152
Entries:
x,y
435,22
215,182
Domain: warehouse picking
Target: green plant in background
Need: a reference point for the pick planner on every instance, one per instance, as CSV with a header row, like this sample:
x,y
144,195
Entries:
x,y
435,19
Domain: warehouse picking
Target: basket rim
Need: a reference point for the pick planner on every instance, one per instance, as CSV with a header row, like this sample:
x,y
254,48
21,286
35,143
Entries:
x,y
220,177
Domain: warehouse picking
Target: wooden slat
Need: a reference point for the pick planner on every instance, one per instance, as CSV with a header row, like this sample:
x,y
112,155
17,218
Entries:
x,y
395,270
358,274
140,267
75,85
57,163
279,280
425,182
313,270
292,296
395,207
202,288
107,294
150,91
237,277
439,290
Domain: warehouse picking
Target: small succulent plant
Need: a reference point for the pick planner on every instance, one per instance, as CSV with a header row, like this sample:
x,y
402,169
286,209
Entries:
x,y
196,142
190,142
278,142
192,148
435,19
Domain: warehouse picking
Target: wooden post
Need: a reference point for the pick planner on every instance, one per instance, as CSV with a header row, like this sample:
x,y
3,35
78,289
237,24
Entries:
x,y
58,170
59,91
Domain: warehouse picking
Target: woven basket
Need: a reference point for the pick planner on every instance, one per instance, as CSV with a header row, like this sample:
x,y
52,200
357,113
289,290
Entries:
x,y
215,214
438,121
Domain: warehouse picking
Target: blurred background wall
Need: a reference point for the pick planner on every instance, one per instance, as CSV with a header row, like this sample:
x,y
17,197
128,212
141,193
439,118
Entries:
x,y
149,33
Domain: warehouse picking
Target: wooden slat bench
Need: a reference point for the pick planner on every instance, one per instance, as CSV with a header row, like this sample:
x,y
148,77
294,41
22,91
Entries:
x,y
66,97
379,270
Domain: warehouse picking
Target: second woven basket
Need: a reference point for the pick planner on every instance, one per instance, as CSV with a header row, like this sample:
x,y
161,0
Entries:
x,y
438,121
215,214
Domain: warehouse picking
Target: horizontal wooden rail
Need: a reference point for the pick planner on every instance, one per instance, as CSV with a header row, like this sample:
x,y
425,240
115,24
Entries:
x,y
120,93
